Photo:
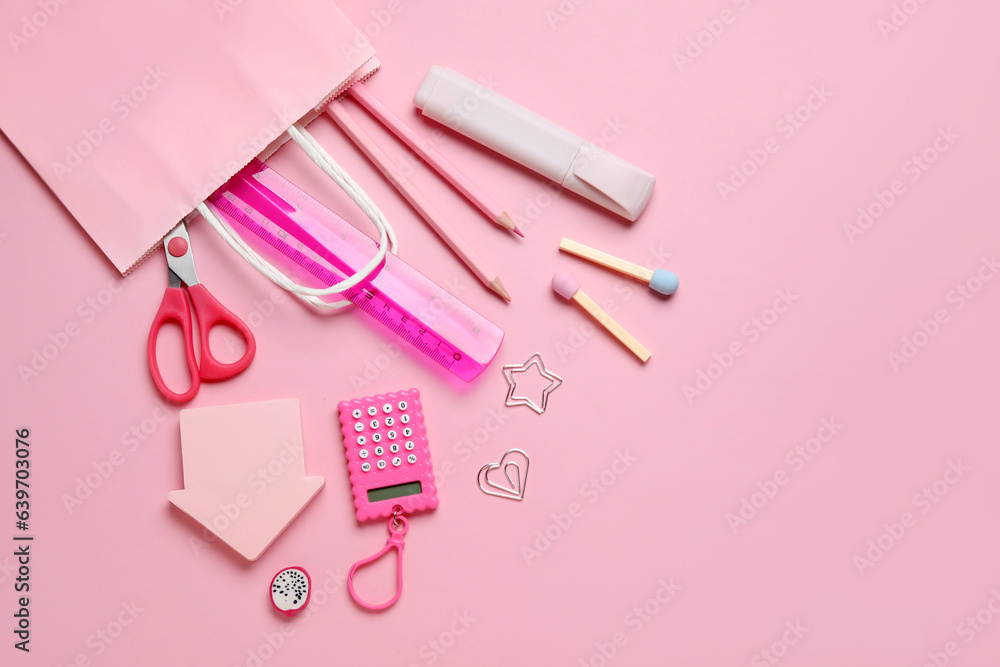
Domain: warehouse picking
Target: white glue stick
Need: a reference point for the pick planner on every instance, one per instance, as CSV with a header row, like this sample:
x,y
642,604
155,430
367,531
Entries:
x,y
525,137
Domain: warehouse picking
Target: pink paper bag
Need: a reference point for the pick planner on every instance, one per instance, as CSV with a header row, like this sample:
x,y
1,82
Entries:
x,y
134,112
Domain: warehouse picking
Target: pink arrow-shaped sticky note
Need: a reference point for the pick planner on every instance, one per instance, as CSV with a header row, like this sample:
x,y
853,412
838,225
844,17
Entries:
x,y
244,472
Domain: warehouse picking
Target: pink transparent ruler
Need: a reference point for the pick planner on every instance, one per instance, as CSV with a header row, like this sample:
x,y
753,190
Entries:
x,y
398,296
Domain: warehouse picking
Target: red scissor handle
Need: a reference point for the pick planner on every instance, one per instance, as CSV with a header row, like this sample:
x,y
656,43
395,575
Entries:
x,y
210,313
174,308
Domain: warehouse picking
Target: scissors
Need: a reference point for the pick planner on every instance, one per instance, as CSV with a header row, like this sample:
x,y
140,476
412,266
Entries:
x,y
176,308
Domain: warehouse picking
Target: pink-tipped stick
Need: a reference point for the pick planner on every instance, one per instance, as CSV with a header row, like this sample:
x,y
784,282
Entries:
x,y
568,287
565,284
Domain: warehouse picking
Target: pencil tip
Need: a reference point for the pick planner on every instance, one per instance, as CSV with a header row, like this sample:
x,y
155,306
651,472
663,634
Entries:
x,y
498,287
507,222
518,232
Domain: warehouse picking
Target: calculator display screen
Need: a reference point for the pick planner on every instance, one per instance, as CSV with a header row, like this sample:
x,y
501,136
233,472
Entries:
x,y
395,491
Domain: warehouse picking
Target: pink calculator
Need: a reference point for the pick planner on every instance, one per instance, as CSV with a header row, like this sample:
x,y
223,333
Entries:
x,y
387,454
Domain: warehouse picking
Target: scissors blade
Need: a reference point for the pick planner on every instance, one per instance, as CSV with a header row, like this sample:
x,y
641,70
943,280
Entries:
x,y
180,259
173,280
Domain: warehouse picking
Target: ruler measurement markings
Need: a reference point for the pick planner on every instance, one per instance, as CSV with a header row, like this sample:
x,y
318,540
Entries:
x,y
419,292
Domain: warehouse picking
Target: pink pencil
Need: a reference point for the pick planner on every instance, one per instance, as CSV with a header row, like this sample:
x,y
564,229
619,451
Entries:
x,y
438,162
416,199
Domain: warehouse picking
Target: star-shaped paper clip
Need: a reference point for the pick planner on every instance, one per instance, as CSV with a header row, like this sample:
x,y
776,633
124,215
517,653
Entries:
x,y
533,360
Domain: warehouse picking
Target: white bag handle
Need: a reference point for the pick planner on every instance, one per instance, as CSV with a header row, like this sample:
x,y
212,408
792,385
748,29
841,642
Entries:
x,y
310,295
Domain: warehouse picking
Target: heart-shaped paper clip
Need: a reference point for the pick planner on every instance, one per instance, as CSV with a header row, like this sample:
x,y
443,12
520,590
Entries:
x,y
514,488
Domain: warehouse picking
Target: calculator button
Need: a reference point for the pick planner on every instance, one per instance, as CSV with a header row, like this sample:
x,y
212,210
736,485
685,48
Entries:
x,y
393,448
396,461
374,424
376,437
362,440
405,419
387,408
365,467
379,451
372,411
391,435
380,464
356,414
403,405
412,458
407,432
363,453
359,427
389,421
409,445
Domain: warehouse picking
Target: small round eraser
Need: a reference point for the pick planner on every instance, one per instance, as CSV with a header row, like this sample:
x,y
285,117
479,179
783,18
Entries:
x,y
565,284
664,282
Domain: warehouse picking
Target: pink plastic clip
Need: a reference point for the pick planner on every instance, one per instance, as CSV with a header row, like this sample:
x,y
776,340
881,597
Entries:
x,y
398,526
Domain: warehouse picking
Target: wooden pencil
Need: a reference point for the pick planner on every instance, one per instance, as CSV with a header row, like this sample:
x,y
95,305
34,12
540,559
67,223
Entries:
x,y
433,158
416,199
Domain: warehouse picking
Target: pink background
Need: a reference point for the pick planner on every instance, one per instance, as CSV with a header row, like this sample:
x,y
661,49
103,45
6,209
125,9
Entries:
x,y
471,595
